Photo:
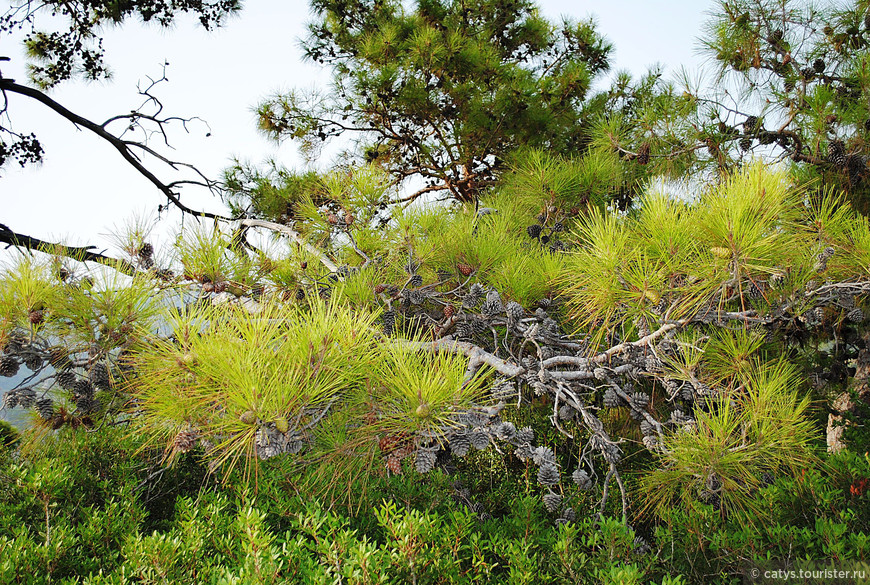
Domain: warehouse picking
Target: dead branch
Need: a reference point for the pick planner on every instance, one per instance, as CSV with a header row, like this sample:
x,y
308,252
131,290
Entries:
x,y
82,254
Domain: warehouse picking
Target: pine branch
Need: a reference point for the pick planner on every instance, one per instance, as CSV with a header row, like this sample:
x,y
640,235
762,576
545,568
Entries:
x,y
124,147
82,254
294,235
477,355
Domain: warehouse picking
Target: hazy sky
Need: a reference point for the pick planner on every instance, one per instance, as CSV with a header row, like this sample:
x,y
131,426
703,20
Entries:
x,y
84,187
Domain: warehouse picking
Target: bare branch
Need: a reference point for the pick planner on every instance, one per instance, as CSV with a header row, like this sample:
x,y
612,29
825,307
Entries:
x,y
82,254
122,146
294,235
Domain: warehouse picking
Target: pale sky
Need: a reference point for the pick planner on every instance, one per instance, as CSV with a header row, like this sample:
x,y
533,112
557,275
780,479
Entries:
x,y
84,187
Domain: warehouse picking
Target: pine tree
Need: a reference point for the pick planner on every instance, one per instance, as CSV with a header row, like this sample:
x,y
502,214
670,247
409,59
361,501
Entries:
x,y
443,91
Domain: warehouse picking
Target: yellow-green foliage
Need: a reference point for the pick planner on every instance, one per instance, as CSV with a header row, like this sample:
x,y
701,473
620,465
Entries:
x,y
421,392
761,428
26,286
670,257
539,179
207,254
226,369
113,312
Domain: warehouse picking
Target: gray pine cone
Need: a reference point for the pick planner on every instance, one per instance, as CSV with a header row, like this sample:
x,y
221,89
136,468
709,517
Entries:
x,y
582,479
639,400
99,376
552,502
475,293
416,297
492,306
83,388
10,400
26,397
33,361
479,440
66,380
526,435
388,321
505,431
425,460
543,455
515,311
548,474
611,398
479,326
460,444
524,452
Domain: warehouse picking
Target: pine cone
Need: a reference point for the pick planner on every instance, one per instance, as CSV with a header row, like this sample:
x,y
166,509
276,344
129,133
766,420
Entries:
x,y
66,380
388,321
460,444
86,404
463,330
184,441
837,153
100,377
59,358
582,479
492,306
8,366
548,475
534,230
505,431
26,397
10,400
751,124
856,315
475,293
552,502
526,435
45,408
416,297
33,361
611,398
639,400
449,311
646,428
36,316
643,154
566,412
479,440
542,455
611,453
678,417
83,388
479,326
465,269
425,460
394,465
